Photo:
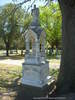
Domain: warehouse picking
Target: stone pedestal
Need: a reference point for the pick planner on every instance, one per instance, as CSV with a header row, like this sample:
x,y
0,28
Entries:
x,y
36,75
35,68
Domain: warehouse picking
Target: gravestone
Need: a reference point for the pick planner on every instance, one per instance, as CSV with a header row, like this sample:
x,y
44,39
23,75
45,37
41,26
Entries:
x,y
35,66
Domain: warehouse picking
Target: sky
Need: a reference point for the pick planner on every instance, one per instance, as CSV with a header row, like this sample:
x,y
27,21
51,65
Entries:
x,y
38,3
3,2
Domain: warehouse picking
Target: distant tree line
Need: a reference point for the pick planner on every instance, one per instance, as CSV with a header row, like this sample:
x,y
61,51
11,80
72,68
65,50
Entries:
x,y
13,25
50,19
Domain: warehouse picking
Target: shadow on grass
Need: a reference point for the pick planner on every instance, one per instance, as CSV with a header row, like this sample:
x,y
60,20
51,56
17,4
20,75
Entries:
x,y
11,83
12,86
23,92
53,56
13,57
11,89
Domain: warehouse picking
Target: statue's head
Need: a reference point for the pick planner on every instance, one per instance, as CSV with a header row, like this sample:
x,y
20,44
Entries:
x,y
35,11
34,6
35,15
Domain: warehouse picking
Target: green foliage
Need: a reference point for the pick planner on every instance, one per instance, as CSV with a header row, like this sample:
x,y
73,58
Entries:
x,y
27,21
2,45
11,22
50,18
19,42
8,25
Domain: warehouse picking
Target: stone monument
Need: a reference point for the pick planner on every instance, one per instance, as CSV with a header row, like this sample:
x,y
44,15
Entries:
x,y
35,66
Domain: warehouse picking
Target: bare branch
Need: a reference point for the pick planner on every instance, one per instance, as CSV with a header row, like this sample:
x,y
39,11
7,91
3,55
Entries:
x,y
31,5
16,7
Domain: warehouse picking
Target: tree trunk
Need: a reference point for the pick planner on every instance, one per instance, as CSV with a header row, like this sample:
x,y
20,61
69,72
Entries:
x,y
52,49
7,49
16,51
21,52
66,77
56,51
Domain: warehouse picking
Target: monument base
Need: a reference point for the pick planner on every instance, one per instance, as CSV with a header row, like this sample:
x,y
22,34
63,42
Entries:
x,y
35,81
32,93
36,75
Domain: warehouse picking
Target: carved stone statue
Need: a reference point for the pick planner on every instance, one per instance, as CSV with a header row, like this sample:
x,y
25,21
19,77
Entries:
x,y
35,67
35,14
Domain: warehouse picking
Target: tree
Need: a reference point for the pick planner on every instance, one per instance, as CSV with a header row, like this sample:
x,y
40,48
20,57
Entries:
x,y
66,78
50,18
20,38
2,45
10,24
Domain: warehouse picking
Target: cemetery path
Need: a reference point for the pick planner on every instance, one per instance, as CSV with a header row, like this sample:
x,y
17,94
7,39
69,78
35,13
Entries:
x,y
12,62
53,63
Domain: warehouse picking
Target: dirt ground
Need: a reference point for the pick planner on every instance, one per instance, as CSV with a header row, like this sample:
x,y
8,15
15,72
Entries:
x,y
53,63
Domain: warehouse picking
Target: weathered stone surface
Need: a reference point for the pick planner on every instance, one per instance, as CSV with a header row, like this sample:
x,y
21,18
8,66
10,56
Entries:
x,y
35,67
35,75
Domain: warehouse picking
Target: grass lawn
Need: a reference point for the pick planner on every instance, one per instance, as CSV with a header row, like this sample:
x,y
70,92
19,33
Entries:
x,y
14,57
9,79
9,74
